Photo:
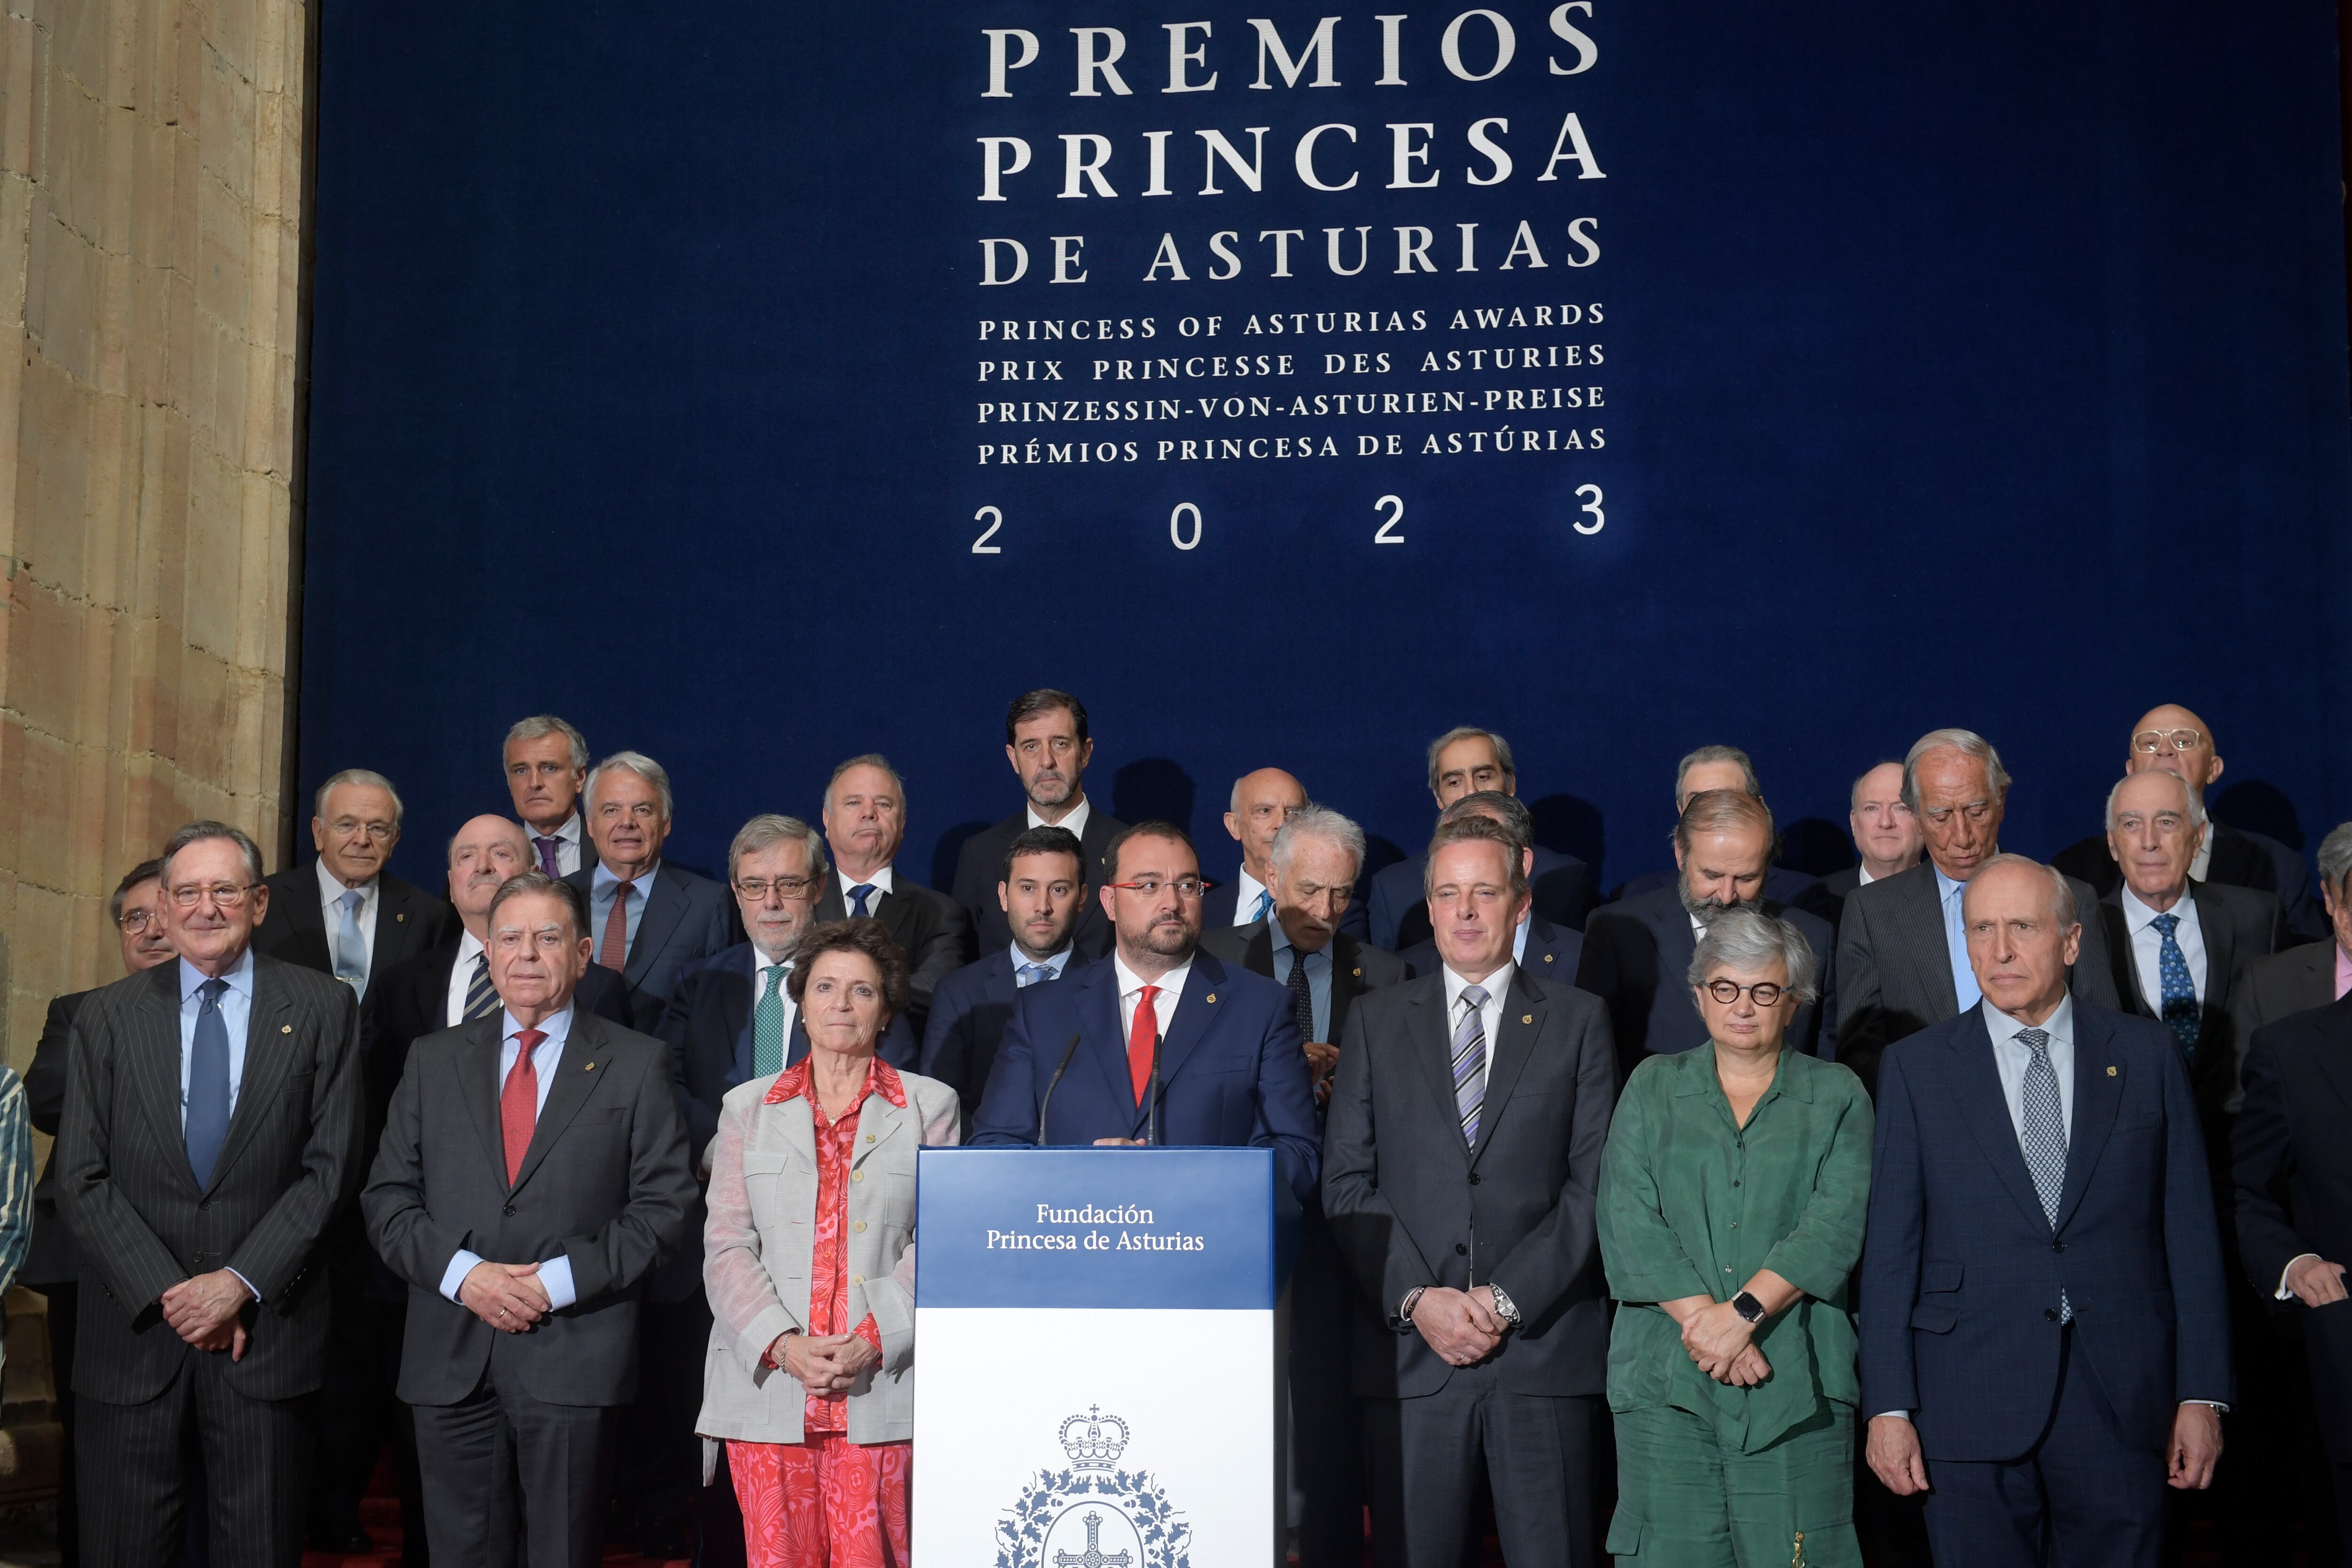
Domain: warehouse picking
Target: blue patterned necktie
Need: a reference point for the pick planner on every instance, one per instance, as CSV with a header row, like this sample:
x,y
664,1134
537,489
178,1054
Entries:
x,y
2044,1138
768,1026
1470,1061
1265,905
1028,974
206,1128
1955,937
350,948
2179,993
858,897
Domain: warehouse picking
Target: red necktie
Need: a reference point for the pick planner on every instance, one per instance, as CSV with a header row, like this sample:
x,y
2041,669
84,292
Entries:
x,y
613,952
1141,1035
518,1102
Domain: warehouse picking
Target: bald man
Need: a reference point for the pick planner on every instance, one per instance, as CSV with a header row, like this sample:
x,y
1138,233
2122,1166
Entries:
x,y
2173,740
433,990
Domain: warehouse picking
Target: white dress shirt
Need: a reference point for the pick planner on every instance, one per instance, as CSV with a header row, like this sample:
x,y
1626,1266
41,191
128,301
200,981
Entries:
x,y
1075,822
2203,860
567,844
1163,1006
1865,877
554,1273
1247,890
461,979
1490,1017
2148,946
330,905
880,882
2011,1059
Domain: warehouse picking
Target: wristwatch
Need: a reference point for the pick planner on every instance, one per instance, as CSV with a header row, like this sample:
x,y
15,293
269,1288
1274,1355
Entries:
x,y
1504,1308
1749,1309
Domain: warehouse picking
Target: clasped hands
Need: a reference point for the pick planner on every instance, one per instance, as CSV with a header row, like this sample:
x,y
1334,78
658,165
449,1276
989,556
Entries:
x,y
507,1296
204,1312
1461,1326
827,1366
1720,1342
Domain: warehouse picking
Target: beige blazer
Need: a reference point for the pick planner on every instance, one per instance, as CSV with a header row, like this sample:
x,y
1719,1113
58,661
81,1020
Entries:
x,y
757,1250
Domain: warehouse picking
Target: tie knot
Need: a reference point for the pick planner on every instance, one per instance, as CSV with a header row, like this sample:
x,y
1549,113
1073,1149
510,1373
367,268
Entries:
x,y
1473,995
1031,973
2166,924
622,890
529,1039
774,974
213,990
544,842
863,891
350,899
2035,1040
1148,994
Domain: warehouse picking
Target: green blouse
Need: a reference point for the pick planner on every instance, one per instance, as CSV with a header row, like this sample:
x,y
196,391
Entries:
x,y
1692,1204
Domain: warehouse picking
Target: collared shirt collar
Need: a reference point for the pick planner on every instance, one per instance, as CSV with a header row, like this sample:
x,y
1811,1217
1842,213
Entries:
x,y
1280,938
1246,891
880,882
2343,972
556,1026
603,881
331,889
881,1078
1863,877
2203,862
1496,985
239,977
568,830
2003,1028
1945,886
2138,917
762,962
1075,822
1057,963
1172,984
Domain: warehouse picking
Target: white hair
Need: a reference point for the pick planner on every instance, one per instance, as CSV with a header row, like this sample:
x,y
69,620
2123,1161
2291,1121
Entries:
x,y
363,779
1317,822
2195,810
636,763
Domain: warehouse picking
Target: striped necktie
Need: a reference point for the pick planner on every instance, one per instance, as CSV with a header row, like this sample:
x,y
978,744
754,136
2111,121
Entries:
x,y
481,1000
1470,1060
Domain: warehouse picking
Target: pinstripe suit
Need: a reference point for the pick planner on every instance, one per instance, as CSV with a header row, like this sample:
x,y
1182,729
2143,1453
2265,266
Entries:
x,y
142,1226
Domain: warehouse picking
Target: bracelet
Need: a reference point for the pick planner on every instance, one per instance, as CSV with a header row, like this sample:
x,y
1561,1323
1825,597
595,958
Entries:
x,y
1404,1312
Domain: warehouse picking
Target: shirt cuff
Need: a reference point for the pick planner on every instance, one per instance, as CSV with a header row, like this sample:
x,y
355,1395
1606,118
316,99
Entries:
x,y
2284,1293
2219,1408
247,1284
555,1278
869,1333
455,1274
1906,1414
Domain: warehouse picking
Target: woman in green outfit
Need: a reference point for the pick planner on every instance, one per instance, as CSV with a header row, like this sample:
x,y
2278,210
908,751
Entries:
x,y
1732,1198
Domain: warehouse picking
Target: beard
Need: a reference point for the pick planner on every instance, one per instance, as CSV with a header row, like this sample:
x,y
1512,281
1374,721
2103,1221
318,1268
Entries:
x,y
1705,910
1051,787
1167,939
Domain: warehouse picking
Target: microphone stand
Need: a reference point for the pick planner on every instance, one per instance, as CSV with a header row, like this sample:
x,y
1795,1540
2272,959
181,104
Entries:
x,y
1151,1134
1055,1082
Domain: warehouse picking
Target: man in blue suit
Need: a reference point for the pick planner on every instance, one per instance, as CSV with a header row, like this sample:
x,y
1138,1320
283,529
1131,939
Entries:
x,y
2045,1341
1043,884
1219,1042
1463,762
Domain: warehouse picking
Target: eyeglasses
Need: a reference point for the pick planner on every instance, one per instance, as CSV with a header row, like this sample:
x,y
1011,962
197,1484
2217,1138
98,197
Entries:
x,y
756,887
352,827
137,921
227,895
2148,742
1186,887
1727,992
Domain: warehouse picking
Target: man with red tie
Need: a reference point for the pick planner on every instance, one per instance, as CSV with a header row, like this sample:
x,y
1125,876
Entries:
x,y
1220,1043
533,1172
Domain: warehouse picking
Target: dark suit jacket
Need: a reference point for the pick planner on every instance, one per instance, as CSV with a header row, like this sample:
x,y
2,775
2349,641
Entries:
x,y
1832,892
407,921
141,1222
1554,953
1221,904
930,928
1412,1205
2239,925
1894,969
1357,967
686,917
1231,1069
981,867
2294,980
1637,954
605,1183
1961,1270
968,1013
2294,1179
708,1027
51,1260
1562,886
2239,859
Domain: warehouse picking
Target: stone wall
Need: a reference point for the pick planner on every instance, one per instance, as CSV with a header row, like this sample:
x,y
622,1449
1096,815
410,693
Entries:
x,y
151,193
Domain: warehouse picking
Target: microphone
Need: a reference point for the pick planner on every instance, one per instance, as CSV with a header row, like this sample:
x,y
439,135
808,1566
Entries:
x,y
1152,1134
1055,1082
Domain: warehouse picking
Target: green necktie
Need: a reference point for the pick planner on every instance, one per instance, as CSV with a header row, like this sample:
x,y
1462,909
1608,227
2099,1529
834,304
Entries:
x,y
768,1026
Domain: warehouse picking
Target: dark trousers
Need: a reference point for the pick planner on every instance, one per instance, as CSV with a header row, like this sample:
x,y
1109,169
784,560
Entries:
x,y
658,1464
140,1463
1326,1439
1422,1460
360,1412
2081,1492
500,1464
64,1300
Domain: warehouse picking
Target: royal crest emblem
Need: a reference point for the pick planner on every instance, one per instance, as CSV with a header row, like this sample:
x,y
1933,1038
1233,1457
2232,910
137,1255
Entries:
x,y
1090,1513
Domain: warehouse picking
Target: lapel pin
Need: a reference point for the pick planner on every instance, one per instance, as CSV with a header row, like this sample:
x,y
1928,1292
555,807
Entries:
x,y
1547,958
285,1028
590,1067
1213,996
1358,973
1527,1017
399,917
2111,1072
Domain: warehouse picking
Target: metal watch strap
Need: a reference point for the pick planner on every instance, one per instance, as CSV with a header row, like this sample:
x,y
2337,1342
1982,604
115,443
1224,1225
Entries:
x,y
1404,1310
1504,1308
1753,1312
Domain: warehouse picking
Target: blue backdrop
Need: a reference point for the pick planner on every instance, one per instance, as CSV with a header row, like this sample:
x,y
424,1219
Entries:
x,y
1979,366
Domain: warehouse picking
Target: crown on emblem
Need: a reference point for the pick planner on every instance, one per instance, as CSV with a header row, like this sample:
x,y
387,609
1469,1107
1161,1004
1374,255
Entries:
x,y
1094,1441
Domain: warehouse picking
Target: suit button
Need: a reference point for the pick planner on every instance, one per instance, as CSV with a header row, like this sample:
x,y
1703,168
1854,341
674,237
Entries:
x,y
2051,1313
857,1175
509,1210
1474,1178
1460,1250
2057,1246
204,1203
857,1280
858,1225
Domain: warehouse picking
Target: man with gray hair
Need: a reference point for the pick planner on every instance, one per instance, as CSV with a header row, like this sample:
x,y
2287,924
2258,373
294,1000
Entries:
x,y
344,914
1465,761
1311,870
2315,974
646,919
547,767
865,823
1902,954
1728,767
